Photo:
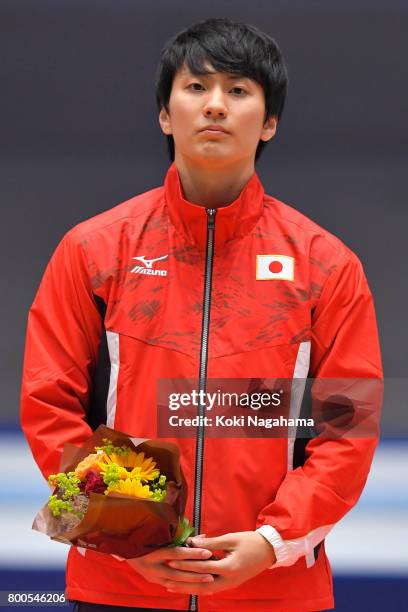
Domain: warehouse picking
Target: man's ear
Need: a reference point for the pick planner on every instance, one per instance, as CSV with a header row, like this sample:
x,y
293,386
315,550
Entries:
x,y
269,128
164,120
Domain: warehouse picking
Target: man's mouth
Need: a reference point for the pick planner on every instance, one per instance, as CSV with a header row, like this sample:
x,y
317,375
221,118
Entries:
x,y
215,129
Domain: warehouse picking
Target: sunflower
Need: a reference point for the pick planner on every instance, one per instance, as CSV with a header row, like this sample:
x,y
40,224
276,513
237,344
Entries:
x,y
133,488
131,465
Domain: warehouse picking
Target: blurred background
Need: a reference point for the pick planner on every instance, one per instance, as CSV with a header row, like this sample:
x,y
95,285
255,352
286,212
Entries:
x,y
79,134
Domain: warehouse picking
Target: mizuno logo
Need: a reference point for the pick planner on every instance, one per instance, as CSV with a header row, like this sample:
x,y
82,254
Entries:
x,y
149,262
147,267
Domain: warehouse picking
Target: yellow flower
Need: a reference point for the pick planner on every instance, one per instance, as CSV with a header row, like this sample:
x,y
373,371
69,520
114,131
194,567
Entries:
x,y
131,487
132,465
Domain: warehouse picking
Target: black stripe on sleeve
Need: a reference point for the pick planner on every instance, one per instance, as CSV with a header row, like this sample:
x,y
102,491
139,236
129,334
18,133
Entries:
x,y
97,406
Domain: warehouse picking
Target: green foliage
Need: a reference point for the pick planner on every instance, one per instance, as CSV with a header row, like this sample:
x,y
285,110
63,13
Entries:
x,y
110,449
112,486
57,506
111,475
184,531
67,484
158,495
158,487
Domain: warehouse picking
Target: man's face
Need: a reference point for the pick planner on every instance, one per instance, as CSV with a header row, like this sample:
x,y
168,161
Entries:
x,y
216,118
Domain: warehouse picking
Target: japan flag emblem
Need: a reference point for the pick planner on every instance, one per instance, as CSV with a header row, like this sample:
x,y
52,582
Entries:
x,y
275,267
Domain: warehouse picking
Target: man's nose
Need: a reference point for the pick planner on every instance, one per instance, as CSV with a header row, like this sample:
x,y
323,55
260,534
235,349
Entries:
x,y
215,105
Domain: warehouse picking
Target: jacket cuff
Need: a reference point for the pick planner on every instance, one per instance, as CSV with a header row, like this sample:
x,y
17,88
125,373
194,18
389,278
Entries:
x,y
280,547
287,552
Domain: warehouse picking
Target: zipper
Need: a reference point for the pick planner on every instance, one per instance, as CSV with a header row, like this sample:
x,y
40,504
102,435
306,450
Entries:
x,y
202,379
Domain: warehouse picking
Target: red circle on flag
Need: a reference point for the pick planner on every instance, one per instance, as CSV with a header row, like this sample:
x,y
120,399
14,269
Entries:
x,y
275,267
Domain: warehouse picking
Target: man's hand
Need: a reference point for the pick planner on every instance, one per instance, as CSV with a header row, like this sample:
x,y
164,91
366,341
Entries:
x,y
247,553
154,567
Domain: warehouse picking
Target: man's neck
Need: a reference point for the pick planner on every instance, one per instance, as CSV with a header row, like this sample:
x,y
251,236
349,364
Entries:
x,y
213,187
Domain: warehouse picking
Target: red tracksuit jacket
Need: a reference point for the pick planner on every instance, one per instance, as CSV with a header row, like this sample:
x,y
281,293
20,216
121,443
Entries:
x,y
121,306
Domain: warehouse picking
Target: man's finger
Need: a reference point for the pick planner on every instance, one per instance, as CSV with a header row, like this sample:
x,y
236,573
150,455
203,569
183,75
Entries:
x,y
178,576
189,540
224,542
201,567
183,552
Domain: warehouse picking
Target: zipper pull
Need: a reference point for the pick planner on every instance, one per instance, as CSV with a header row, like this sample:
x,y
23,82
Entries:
x,y
211,212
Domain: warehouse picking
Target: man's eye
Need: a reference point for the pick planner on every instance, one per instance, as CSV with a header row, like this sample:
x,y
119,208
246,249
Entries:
x,y
196,86
239,91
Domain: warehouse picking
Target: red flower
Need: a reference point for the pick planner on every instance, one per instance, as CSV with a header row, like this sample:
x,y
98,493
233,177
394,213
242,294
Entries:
x,y
93,483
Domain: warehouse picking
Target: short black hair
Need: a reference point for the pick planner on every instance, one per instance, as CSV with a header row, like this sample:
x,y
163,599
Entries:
x,y
228,46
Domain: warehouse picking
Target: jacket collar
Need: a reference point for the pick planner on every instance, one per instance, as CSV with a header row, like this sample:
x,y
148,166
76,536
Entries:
x,y
232,221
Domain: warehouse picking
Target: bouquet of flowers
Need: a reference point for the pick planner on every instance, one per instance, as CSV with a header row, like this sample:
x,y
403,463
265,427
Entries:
x,y
117,495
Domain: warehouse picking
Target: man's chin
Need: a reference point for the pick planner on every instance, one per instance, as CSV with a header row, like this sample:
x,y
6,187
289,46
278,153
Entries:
x,y
217,156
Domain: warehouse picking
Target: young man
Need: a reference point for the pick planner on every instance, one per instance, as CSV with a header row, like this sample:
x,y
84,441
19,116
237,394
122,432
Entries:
x,y
241,286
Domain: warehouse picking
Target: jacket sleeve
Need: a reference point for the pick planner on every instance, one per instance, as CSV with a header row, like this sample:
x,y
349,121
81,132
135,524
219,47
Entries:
x,y
313,497
62,342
